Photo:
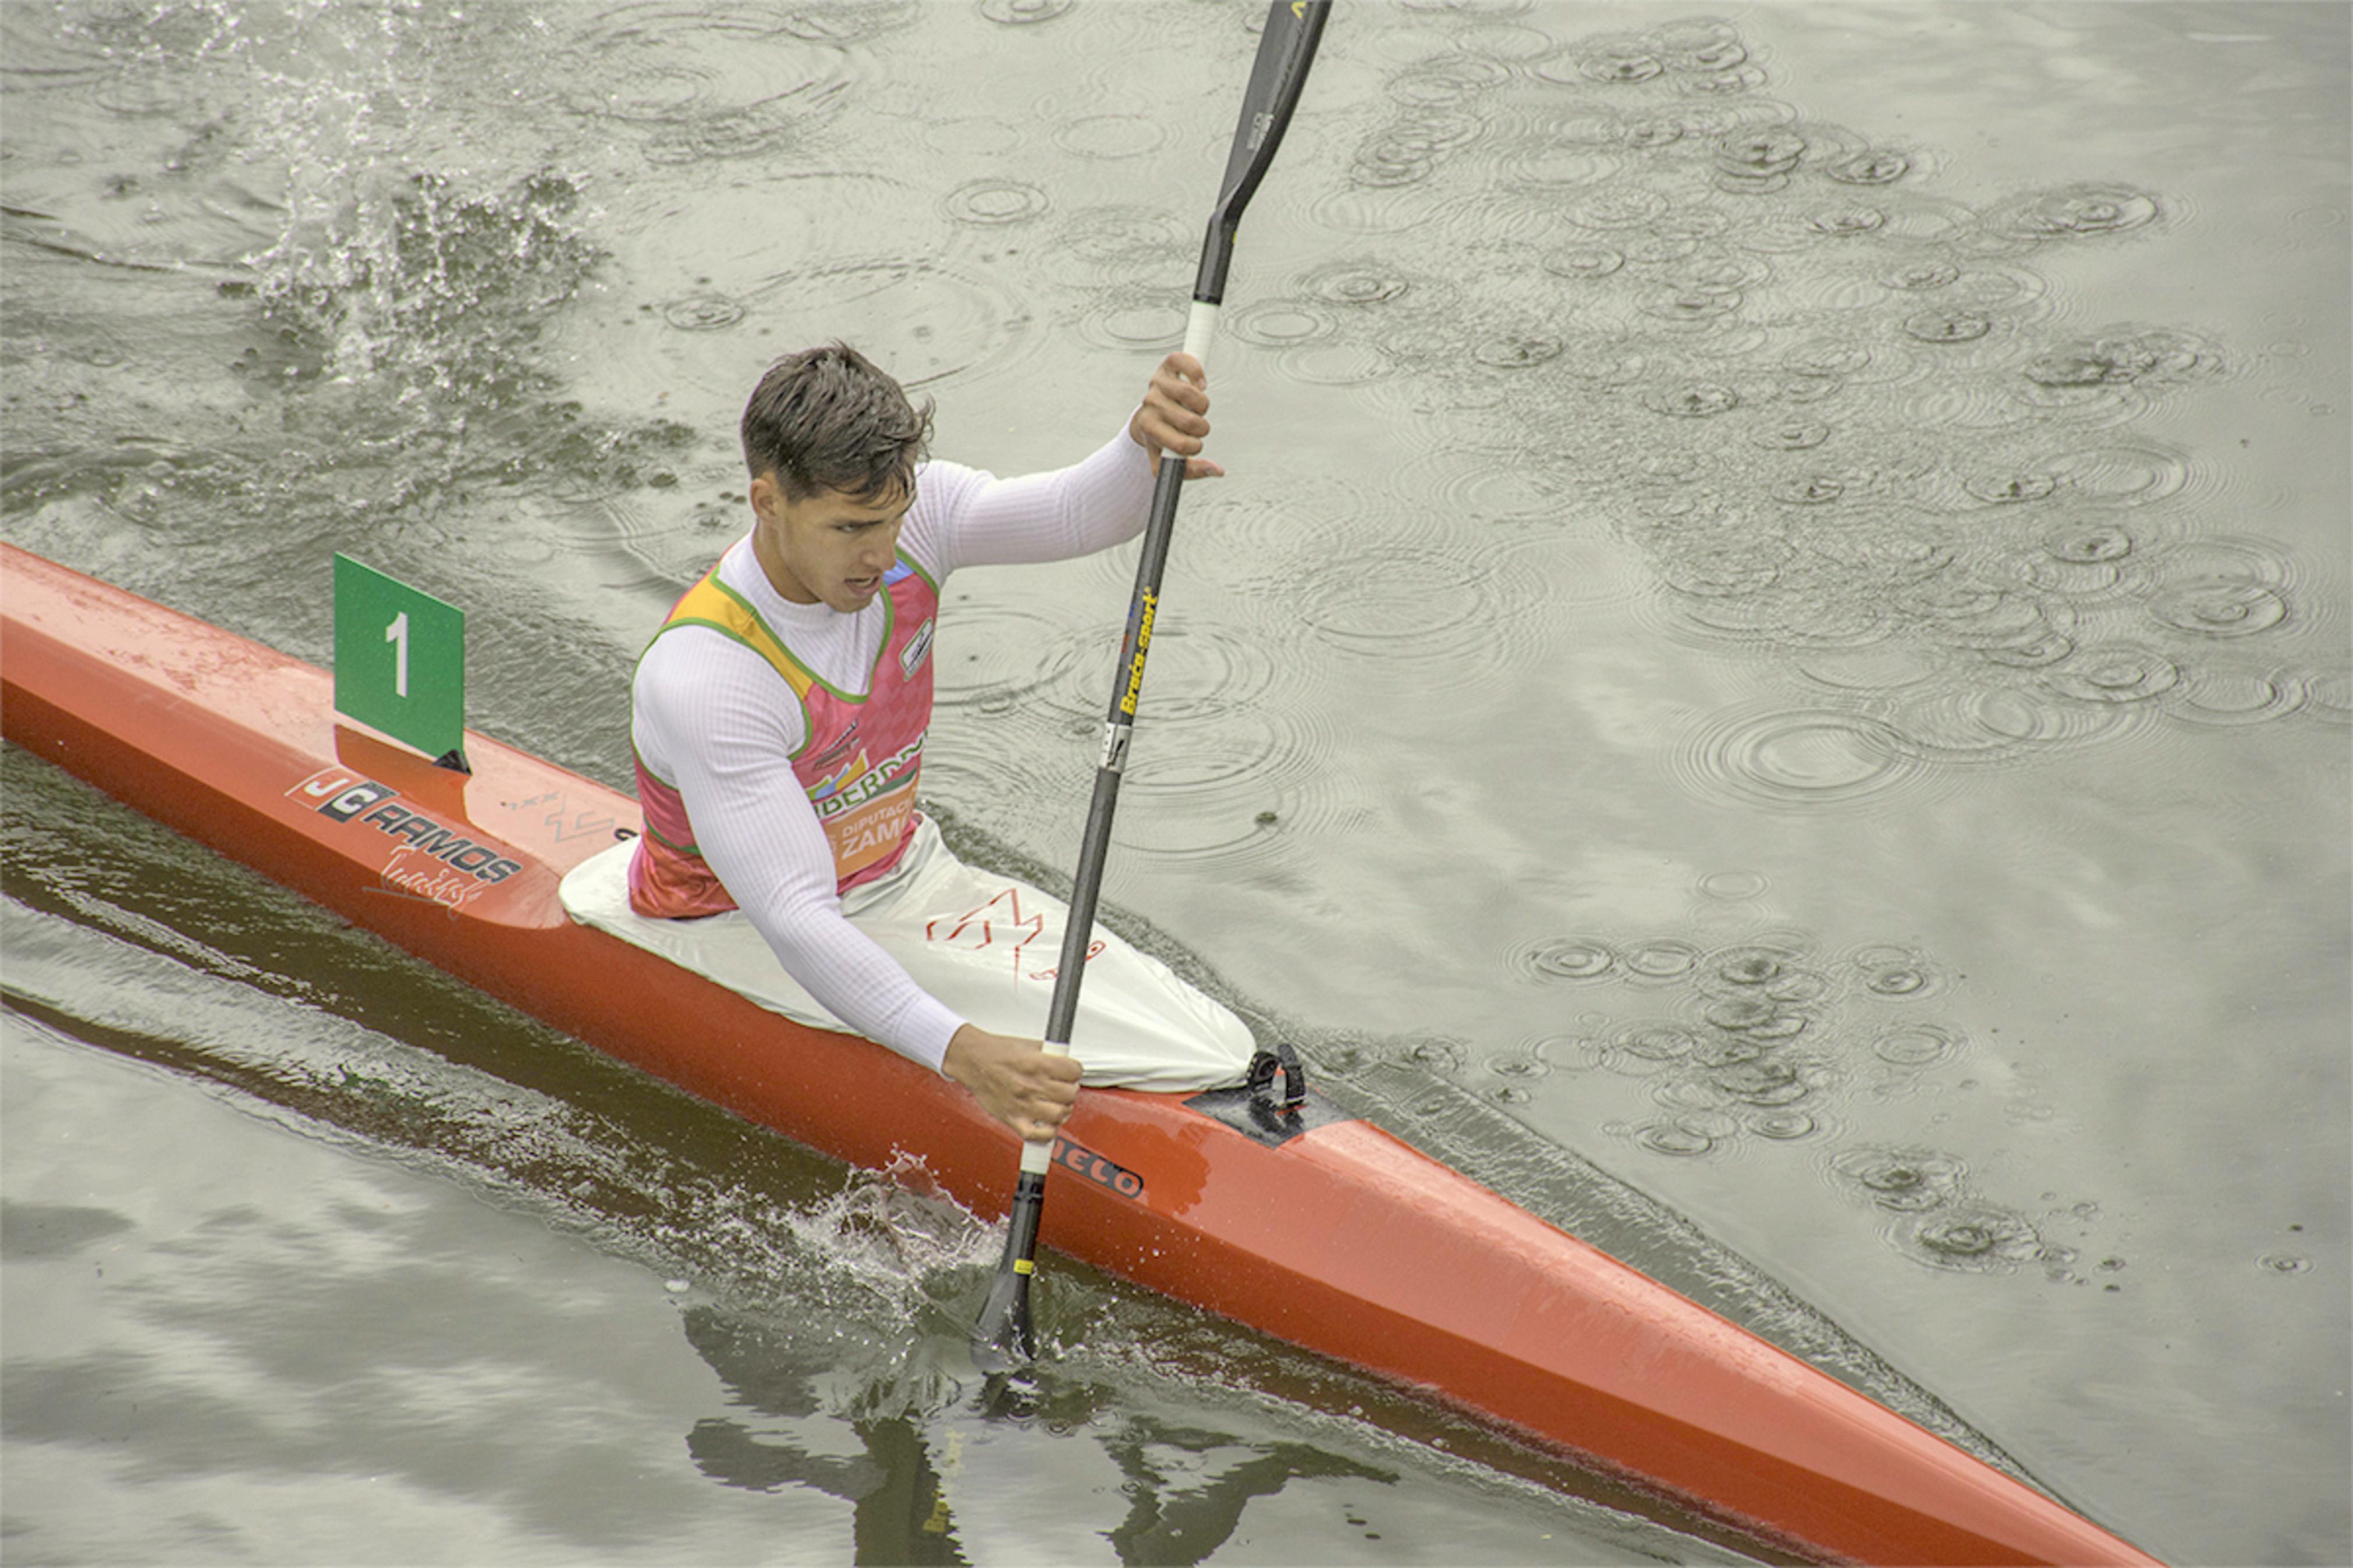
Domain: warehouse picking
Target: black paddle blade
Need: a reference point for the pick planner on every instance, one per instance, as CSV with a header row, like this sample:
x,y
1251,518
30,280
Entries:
x,y
1001,1338
1285,50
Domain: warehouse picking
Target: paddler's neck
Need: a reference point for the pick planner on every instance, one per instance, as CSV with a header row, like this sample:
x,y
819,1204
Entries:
x,y
780,577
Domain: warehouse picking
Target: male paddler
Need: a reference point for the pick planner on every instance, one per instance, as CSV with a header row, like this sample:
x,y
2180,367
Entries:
x,y
779,714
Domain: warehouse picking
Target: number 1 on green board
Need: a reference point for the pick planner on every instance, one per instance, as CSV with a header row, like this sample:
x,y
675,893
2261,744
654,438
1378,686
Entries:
x,y
396,635
400,661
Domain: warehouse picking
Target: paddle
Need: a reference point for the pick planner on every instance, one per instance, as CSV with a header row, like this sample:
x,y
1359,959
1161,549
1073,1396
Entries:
x,y
1002,1335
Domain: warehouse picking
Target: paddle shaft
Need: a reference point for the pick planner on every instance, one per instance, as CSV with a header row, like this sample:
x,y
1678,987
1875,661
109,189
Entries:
x,y
1119,724
1286,49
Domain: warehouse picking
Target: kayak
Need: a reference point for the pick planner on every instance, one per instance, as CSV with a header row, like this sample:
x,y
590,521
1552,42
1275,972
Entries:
x,y
1269,1207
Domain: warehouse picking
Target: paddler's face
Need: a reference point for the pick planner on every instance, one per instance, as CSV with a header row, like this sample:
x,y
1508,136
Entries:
x,y
827,548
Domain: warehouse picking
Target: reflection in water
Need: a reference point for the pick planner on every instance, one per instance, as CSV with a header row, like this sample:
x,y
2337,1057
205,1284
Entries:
x,y
1175,1518
901,1509
1187,1484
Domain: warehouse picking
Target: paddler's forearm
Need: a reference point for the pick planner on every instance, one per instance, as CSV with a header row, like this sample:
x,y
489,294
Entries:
x,y
855,980
971,518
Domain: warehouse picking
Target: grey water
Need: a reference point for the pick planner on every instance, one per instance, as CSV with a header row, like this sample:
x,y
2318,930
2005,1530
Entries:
x,y
1770,677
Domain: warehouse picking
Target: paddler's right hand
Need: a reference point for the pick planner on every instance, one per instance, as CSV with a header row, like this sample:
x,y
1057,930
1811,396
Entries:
x,y
1015,1080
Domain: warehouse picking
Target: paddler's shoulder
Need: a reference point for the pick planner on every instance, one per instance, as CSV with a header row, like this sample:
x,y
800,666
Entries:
x,y
944,494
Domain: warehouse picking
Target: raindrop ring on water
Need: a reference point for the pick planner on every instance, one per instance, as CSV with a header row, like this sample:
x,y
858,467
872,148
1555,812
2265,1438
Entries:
x,y
1746,966
1654,1041
1917,1046
1793,436
2073,210
1850,221
1665,960
1572,958
1583,262
1947,326
1876,167
1973,1238
2220,607
1782,1125
1019,13
1614,207
1733,885
703,312
1356,283
2089,543
1801,757
2112,674
1772,150
1110,136
2229,697
1698,400
1626,65
1762,1083
1514,350
1673,1138
2005,489
1908,1181
1921,276
991,201
1279,323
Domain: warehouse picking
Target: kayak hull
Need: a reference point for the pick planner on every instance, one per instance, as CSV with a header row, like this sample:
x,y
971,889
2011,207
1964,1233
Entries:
x,y
1339,1237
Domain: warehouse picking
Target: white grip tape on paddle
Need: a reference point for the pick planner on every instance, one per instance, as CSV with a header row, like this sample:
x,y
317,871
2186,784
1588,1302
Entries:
x,y
1037,1157
1200,326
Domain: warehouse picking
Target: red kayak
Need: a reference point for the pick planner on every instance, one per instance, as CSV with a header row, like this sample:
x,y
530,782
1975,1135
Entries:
x,y
1308,1224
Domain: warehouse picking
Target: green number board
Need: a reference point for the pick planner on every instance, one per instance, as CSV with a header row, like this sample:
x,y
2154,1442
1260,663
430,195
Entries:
x,y
400,661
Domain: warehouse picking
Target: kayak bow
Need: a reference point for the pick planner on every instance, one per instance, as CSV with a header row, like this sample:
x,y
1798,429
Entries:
x,y
1319,1229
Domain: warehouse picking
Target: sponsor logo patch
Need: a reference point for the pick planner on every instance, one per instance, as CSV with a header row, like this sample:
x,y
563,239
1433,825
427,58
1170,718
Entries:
x,y
347,797
1103,1173
340,794
918,649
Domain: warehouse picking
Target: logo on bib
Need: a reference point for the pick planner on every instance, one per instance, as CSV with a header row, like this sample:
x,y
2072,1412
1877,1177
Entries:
x,y
918,649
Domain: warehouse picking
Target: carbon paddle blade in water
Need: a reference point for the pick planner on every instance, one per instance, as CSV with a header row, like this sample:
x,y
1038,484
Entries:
x,y
1001,1340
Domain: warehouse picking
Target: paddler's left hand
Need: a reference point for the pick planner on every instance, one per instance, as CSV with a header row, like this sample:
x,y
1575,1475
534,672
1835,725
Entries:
x,y
1175,415
1016,1080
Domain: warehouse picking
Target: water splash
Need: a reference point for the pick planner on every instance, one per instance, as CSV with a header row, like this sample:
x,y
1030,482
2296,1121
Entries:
x,y
424,279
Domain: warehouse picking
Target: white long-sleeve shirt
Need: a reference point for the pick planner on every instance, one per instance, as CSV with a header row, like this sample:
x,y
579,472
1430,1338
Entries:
x,y
712,718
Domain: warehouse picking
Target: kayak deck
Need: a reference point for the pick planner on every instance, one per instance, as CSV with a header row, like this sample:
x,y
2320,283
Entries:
x,y
1338,1238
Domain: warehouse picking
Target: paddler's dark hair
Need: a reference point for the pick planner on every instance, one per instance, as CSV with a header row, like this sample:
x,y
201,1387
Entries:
x,y
829,418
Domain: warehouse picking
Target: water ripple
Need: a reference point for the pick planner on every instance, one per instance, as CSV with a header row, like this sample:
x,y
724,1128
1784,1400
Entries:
x,y
1796,759
2114,672
2074,211
1969,1237
1401,601
994,201
1237,791
1112,136
2226,697
1980,725
1023,13
1906,1180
